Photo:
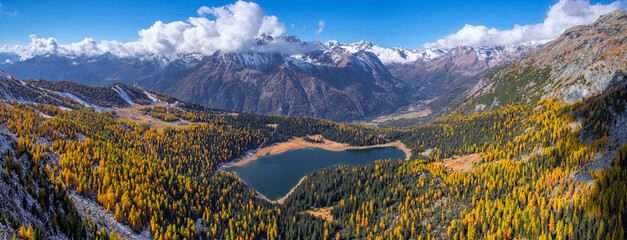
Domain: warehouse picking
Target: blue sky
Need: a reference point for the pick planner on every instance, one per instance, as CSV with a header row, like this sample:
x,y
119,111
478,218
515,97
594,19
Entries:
x,y
408,24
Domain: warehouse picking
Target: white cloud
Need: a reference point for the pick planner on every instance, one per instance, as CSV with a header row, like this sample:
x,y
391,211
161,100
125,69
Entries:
x,y
320,27
89,47
204,10
235,28
286,47
8,13
561,16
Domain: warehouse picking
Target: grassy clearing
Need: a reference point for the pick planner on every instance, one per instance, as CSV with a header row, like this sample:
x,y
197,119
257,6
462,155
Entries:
x,y
463,164
324,213
133,114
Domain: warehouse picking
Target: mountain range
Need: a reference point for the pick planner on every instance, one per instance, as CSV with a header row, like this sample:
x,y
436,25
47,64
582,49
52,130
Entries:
x,y
337,81
342,82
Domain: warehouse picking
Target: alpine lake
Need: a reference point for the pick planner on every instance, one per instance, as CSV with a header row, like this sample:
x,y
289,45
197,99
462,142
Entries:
x,y
275,175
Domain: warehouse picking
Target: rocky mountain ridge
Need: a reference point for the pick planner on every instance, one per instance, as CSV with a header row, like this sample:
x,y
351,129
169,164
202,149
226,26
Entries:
x,y
583,61
72,95
330,84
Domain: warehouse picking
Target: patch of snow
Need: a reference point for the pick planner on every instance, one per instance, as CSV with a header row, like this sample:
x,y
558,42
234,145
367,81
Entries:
x,y
123,95
74,97
404,56
300,62
482,53
84,103
161,61
360,62
150,96
254,59
396,55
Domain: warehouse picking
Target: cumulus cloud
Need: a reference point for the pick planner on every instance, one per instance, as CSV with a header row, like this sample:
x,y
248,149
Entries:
x,y
236,27
561,16
88,47
320,27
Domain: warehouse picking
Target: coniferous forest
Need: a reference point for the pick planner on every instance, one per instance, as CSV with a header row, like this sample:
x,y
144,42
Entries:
x,y
526,184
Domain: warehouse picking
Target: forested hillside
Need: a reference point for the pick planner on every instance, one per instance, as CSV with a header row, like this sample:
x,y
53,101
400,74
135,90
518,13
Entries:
x,y
166,181
530,182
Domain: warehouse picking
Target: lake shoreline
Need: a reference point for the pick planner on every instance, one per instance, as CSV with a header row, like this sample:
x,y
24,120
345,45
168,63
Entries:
x,y
300,143
282,199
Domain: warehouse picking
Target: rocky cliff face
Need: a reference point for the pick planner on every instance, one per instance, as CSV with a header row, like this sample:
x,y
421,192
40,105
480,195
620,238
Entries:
x,y
29,200
581,62
585,59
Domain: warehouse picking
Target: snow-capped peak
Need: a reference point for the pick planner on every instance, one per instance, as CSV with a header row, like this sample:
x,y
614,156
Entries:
x,y
163,60
394,55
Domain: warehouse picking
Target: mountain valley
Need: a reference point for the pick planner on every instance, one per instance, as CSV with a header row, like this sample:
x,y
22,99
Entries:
x,y
524,141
